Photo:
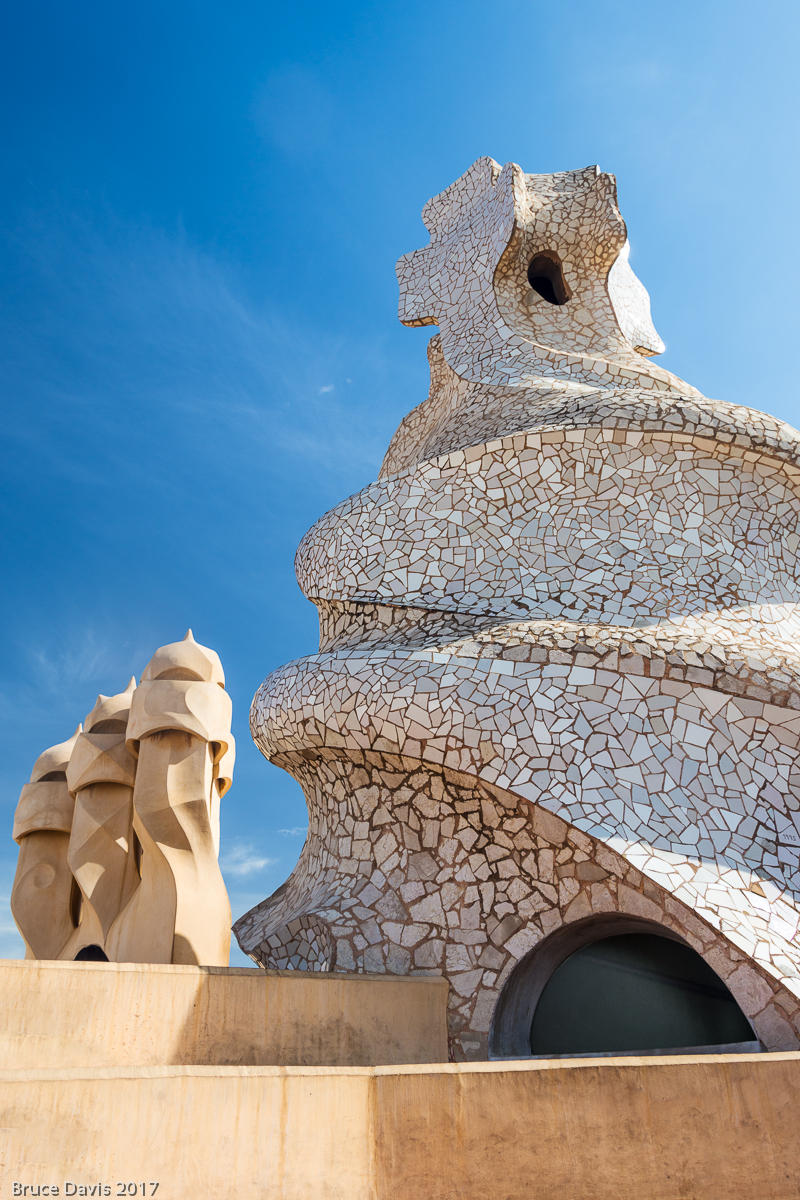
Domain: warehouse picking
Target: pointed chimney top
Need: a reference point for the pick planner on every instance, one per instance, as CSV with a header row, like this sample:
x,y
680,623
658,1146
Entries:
x,y
187,660
54,760
110,708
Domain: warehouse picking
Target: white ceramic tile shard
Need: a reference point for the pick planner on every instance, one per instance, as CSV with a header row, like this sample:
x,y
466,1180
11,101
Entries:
x,y
558,672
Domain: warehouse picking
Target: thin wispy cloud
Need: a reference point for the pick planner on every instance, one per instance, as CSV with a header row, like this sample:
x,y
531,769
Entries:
x,y
244,859
64,669
86,655
295,831
158,326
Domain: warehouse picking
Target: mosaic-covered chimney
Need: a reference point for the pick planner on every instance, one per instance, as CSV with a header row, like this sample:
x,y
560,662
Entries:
x,y
555,704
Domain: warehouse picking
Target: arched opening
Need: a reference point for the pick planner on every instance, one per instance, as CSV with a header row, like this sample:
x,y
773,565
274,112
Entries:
x,y
546,277
91,954
634,991
616,986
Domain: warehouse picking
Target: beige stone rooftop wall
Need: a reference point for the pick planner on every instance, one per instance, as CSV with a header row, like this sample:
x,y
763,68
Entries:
x,y
715,1128
90,1015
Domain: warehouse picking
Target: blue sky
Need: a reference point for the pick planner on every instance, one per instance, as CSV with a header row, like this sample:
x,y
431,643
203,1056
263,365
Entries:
x,y
201,208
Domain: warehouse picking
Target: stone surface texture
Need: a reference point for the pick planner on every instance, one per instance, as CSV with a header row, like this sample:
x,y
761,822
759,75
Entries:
x,y
58,1015
557,672
119,827
719,1127
43,890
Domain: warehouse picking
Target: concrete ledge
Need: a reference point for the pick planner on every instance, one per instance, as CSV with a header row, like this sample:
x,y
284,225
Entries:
x,y
670,1128
123,1014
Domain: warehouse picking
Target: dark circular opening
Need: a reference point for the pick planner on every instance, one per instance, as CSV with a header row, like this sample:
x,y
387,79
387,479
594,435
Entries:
x,y
91,954
635,991
546,277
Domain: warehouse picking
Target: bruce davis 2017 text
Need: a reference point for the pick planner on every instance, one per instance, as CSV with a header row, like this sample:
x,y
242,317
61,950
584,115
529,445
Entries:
x,y
71,1188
